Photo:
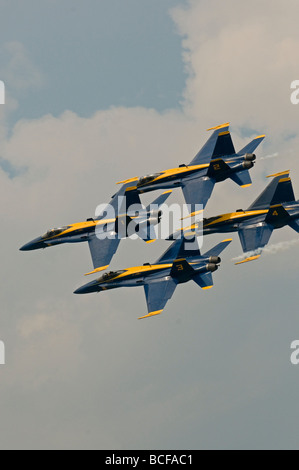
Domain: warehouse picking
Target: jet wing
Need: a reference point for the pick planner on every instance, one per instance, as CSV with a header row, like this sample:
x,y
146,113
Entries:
x,y
255,237
198,191
157,293
102,252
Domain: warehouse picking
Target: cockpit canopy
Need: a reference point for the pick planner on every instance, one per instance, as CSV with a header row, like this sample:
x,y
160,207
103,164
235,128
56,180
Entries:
x,y
54,232
147,179
111,275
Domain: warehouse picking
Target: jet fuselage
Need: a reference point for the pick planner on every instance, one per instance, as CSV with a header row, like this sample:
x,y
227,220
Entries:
x,y
231,222
140,275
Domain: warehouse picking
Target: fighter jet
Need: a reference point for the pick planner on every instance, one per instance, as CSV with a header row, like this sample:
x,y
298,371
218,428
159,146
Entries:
x,y
275,208
105,232
181,263
215,162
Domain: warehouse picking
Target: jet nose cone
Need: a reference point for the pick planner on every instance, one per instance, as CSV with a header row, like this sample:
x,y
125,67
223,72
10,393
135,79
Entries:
x,y
33,245
27,247
81,290
88,288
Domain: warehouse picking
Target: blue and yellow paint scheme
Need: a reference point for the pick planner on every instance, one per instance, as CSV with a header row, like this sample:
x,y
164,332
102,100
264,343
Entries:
x,y
215,162
181,263
275,208
104,232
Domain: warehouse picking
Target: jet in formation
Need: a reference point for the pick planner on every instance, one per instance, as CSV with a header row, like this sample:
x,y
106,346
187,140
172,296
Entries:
x,y
215,162
275,208
105,232
181,263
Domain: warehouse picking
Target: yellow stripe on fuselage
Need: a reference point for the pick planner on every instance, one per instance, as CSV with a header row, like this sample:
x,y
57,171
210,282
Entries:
x,y
170,173
235,215
179,171
140,270
73,228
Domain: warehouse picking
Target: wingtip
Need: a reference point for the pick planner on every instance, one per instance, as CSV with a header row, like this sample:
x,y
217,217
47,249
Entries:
x,y
151,314
283,173
247,260
131,180
97,270
260,137
227,124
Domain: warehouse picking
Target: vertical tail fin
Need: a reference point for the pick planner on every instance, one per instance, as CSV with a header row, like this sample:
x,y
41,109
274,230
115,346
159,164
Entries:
x,y
183,248
219,144
284,191
250,148
265,199
218,249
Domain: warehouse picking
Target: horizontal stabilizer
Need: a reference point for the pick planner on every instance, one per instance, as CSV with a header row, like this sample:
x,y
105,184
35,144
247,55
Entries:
x,y
205,281
294,225
147,233
242,178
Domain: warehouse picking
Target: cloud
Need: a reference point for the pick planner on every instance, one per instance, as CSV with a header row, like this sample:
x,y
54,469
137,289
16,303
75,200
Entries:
x,y
241,63
83,372
17,69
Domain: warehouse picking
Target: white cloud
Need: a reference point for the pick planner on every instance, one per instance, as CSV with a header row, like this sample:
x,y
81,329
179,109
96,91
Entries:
x,y
17,68
85,365
243,60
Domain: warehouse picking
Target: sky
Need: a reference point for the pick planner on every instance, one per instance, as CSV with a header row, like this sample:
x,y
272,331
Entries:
x,y
98,92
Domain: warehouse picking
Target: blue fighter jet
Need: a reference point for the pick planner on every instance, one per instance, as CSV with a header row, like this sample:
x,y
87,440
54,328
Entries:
x,y
275,208
215,162
124,216
181,263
